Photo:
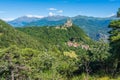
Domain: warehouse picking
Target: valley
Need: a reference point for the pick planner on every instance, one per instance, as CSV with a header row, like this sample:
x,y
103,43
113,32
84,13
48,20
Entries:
x,y
59,39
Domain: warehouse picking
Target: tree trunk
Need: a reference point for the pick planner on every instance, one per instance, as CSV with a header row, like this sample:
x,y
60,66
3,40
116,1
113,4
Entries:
x,y
12,75
87,70
115,67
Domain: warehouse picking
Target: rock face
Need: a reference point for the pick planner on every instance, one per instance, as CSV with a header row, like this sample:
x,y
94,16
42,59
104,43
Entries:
x,y
68,23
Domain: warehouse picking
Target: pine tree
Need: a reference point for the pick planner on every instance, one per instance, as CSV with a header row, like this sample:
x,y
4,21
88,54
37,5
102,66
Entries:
x,y
115,44
118,13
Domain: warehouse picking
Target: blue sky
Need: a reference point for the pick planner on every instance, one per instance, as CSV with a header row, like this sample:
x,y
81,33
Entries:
x,y
10,9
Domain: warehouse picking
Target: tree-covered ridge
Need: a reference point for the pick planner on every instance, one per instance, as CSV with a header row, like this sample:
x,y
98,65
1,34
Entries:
x,y
10,36
57,35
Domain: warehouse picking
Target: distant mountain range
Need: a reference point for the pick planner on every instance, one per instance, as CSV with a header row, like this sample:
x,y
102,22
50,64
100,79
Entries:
x,y
95,27
26,20
22,21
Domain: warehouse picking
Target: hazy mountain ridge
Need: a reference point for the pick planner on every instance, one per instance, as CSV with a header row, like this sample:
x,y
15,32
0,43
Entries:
x,y
21,21
26,20
93,26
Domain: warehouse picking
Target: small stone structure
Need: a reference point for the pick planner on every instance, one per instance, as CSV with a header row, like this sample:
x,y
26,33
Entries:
x,y
68,23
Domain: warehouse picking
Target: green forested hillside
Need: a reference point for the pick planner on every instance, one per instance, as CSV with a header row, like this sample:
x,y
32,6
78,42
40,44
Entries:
x,y
56,35
10,36
53,53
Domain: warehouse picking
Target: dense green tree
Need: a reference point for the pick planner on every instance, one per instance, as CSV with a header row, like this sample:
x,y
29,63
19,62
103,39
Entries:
x,y
11,64
10,36
118,13
115,44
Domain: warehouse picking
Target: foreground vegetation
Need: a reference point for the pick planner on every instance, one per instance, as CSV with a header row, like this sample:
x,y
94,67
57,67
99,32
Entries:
x,y
58,53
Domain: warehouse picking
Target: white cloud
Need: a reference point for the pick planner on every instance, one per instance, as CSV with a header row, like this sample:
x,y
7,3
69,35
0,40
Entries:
x,y
52,9
51,14
8,19
113,14
37,16
60,11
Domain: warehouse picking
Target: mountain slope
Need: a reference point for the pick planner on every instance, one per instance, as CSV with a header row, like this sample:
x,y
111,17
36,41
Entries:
x,y
95,27
57,35
10,36
21,21
26,20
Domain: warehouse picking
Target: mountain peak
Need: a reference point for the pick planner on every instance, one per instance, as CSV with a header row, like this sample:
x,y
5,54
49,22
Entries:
x,y
21,21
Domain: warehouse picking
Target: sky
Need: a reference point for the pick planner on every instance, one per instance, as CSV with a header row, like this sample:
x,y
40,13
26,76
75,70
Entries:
x,y
11,9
